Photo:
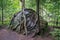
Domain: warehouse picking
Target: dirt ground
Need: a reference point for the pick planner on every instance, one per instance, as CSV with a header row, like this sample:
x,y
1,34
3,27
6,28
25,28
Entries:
x,y
11,35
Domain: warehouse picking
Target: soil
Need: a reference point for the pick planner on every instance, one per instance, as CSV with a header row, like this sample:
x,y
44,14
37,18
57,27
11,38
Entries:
x,y
6,34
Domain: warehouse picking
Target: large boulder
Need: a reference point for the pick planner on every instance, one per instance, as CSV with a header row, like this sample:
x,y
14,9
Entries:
x,y
17,22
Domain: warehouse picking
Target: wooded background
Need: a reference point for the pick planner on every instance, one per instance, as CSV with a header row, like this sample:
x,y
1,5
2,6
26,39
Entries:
x,y
49,11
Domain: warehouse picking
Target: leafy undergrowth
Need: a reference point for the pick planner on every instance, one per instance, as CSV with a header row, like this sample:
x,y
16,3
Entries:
x,y
56,34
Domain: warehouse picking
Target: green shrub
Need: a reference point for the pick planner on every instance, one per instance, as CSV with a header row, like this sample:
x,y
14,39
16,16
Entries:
x,y
56,34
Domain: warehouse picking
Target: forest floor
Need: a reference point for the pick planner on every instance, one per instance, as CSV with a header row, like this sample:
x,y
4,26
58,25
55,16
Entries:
x,y
6,34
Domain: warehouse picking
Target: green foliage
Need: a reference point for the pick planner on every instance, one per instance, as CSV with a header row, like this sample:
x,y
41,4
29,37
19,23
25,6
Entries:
x,y
56,34
50,7
10,7
30,4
